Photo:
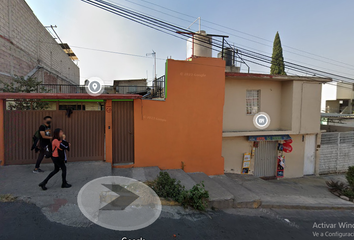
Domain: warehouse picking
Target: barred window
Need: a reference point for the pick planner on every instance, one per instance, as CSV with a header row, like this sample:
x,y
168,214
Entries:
x,y
252,101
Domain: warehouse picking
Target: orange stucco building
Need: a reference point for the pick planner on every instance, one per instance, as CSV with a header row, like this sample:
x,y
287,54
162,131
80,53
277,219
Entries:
x,y
186,128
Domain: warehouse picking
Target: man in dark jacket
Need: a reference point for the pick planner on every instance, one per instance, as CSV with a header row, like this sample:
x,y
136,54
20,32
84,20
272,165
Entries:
x,y
45,144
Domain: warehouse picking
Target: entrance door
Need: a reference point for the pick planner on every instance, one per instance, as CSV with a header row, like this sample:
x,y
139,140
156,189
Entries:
x,y
309,157
123,132
266,159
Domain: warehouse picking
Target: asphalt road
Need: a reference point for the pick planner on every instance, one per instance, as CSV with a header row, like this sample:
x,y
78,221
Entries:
x,y
20,220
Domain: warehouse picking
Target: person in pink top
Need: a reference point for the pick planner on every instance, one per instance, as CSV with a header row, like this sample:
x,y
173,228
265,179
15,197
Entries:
x,y
59,162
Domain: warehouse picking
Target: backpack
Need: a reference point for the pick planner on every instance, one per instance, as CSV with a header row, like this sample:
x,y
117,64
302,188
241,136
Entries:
x,y
36,140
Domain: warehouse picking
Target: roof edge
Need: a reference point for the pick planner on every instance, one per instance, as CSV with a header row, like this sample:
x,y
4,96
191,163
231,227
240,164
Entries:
x,y
67,96
258,76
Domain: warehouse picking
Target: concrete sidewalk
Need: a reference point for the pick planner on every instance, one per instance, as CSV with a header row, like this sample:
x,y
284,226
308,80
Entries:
x,y
301,193
226,191
57,204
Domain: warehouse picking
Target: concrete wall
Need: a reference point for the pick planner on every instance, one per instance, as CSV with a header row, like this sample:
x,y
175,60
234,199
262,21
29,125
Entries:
x,y
187,126
294,161
345,91
233,150
292,105
336,152
306,107
286,109
336,128
235,117
332,106
310,107
141,82
25,44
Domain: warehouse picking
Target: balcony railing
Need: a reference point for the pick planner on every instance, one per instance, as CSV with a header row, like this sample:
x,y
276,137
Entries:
x,y
62,88
157,90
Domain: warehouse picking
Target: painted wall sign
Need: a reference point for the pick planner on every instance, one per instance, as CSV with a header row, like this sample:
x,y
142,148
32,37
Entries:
x,y
261,120
269,138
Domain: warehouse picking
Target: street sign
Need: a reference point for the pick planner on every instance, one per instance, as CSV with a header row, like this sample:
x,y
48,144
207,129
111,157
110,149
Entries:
x,y
261,120
119,203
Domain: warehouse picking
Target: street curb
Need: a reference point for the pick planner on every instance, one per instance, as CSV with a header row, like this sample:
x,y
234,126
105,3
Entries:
x,y
306,207
165,202
250,205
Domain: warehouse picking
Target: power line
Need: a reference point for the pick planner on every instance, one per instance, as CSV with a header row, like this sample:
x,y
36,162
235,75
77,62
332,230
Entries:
x,y
217,45
244,34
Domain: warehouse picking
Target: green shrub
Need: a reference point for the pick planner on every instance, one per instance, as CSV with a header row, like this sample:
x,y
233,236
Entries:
x,y
170,188
350,177
348,193
198,197
167,187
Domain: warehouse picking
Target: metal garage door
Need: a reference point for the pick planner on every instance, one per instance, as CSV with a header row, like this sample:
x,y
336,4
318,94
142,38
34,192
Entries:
x,y
123,132
265,159
84,130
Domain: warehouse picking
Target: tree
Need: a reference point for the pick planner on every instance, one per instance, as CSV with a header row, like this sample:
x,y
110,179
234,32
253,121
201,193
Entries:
x,y
277,67
22,85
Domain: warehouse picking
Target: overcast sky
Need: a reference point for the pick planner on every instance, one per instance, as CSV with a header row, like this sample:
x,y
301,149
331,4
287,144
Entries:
x,y
322,29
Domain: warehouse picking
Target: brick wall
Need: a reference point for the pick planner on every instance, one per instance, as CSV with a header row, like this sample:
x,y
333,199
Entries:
x,y
336,152
25,43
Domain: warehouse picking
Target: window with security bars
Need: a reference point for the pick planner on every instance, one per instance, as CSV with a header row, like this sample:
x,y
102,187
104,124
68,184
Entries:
x,y
252,101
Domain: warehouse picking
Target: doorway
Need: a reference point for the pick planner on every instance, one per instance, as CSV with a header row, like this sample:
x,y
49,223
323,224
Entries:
x,y
310,154
266,156
123,132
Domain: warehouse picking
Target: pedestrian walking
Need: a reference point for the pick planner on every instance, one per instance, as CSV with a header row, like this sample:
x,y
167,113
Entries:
x,y
44,142
58,160
65,145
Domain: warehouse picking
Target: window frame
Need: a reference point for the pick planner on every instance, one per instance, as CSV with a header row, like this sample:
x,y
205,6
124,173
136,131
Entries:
x,y
258,101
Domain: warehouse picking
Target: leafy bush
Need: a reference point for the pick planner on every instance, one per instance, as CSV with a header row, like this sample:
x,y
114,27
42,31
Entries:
x,y
170,188
350,177
20,84
167,187
198,197
348,193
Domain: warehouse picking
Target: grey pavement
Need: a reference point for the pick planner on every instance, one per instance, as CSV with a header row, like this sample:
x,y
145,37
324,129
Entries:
x,y
21,220
219,197
226,191
57,204
309,192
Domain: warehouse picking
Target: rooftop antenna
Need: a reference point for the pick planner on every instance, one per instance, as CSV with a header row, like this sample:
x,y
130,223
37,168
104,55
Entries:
x,y
55,33
153,54
200,23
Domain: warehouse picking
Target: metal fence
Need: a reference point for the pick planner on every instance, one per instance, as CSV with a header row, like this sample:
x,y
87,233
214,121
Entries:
x,y
62,88
157,90
336,152
132,89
